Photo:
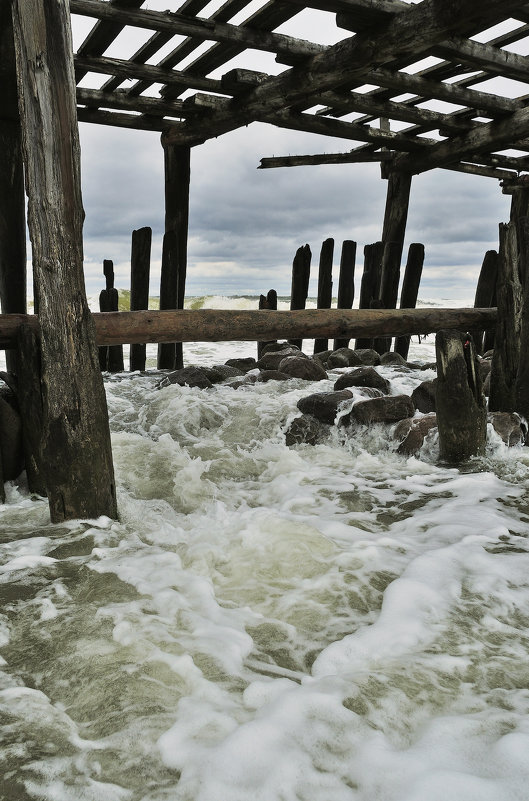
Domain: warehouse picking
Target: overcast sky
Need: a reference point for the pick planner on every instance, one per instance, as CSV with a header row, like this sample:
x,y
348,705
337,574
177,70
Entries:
x,y
245,224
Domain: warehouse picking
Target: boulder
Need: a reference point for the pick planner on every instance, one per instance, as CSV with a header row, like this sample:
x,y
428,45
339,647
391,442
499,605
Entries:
x,y
245,381
272,359
344,357
393,358
486,386
423,396
509,426
363,377
220,372
412,431
324,406
388,409
368,356
302,367
272,375
273,347
304,430
188,376
245,365
11,447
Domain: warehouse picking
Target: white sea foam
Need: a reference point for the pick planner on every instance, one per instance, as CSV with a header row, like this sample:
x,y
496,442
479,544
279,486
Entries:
x,y
315,623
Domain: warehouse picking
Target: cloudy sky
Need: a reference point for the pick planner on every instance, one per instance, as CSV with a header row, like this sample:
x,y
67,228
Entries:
x,y
245,224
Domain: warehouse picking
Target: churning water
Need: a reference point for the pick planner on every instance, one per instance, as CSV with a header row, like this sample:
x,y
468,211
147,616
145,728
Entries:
x,y
316,623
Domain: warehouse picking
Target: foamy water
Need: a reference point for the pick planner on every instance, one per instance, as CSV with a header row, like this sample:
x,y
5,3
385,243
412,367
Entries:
x,y
316,623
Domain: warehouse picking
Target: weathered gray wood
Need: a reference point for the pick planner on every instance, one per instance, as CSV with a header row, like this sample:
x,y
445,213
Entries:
x,y
110,358
370,284
267,302
410,290
389,286
168,295
300,282
485,291
76,437
29,392
346,285
323,158
324,299
520,219
460,403
140,267
12,197
396,211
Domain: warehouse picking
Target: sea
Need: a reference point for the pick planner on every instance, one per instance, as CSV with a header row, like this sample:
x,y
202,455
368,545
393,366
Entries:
x,y
335,622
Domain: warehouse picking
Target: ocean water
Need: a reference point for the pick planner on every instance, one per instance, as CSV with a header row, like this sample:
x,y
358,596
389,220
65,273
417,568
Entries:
x,y
314,623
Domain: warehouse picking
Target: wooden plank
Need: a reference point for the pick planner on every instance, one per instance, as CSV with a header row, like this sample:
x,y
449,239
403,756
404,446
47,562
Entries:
x,y
353,157
103,34
140,267
76,438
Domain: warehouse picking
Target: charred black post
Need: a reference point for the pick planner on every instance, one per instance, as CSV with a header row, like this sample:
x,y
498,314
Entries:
x,y
111,358
346,286
267,302
140,266
461,407
300,282
370,285
410,290
324,286
389,286
167,353
485,291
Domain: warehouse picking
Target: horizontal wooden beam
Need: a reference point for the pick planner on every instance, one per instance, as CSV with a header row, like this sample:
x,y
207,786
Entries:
x,y
214,325
121,100
359,157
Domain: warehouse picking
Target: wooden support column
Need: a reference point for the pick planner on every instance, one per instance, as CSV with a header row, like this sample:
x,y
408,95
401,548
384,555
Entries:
x,y
396,212
346,285
12,197
140,266
110,358
300,283
410,290
370,285
177,160
268,301
76,451
485,292
324,286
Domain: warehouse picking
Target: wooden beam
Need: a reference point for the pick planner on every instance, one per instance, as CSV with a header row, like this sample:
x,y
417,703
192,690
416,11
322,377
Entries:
x,y
214,325
324,158
103,34
120,99
76,438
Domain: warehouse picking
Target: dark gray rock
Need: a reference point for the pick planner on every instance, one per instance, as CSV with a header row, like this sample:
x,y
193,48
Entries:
x,y
344,357
368,356
509,426
393,358
304,430
486,386
220,372
324,406
11,448
301,367
245,365
245,381
484,367
272,359
423,396
322,357
388,409
363,377
272,347
189,377
411,432
272,375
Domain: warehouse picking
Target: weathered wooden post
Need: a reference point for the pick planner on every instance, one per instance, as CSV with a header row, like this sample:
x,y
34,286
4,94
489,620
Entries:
x,y
485,291
110,358
168,295
177,161
324,299
346,283
268,301
140,266
410,290
370,284
12,197
300,282
396,211
31,411
76,450
460,403
389,286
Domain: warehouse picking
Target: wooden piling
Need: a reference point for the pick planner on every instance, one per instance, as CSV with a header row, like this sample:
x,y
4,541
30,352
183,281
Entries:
x,y
346,286
370,284
300,283
268,301
140,265
168,295
76,449
410,290
389,286
12,197
29,393
110,358
324,300
396,211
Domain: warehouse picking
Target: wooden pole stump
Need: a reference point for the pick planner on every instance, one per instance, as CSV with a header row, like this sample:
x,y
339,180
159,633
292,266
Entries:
x,y
300,283
140,266
29,391
389,286
324,300
267,302
460,403
167,355
396,211
410,290
370,284
485,292
76,451
346,285
110,358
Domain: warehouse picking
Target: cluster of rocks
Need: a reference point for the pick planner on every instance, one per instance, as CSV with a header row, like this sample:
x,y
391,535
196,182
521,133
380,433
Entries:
x,y
360,395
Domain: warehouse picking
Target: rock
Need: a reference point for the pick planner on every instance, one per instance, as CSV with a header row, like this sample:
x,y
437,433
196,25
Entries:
x,y
393,358
322,357
220,372
189,377
11,447
344,357
304,430
272,359
301,367
423,396
370,392
488,355
245,381
509,426
243,364
484,368
486,386
388,409
368,356
429,366
324,406
412,431
273,347
363,377
272,375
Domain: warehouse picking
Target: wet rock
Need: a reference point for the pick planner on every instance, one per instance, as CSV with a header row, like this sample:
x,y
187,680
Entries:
x,y
220,372
412,431
388,409
488,355
393,358
423,396
304,430
509,426
245,381
272,375
11,449
368,356
301,367
322,357
324,406
272,359
344,357
363,377
486,386
245,365
189,377
273,347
